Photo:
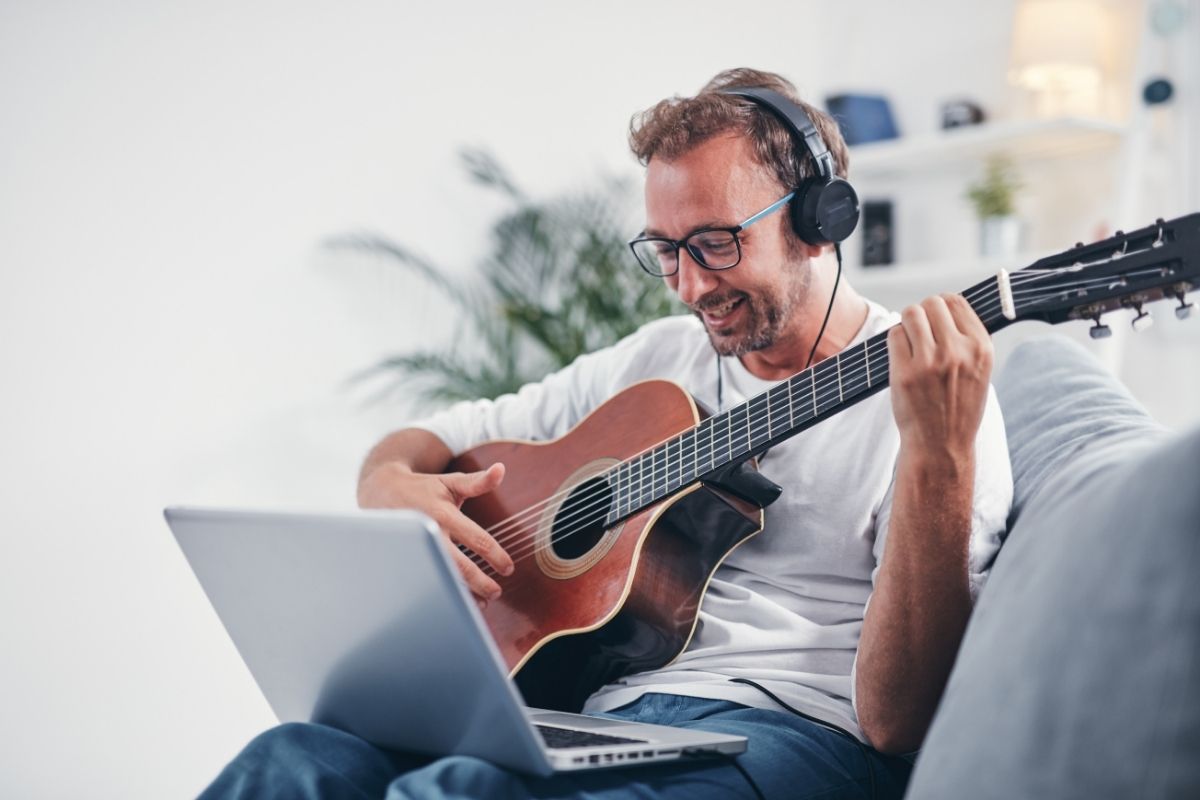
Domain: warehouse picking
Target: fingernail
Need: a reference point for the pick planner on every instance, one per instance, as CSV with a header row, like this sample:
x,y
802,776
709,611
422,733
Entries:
x,y
509,570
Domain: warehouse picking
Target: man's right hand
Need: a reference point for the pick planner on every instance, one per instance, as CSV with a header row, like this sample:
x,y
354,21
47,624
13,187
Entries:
x,y
395,485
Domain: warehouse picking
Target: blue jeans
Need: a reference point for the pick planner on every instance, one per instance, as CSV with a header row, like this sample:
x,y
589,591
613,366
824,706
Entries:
x,y
788,757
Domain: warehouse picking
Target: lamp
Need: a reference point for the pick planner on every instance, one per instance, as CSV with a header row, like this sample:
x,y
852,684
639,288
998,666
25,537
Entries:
x,y
1062,53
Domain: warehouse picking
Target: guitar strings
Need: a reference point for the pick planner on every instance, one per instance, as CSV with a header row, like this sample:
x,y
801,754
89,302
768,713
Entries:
x,y
863,364
826,366
826,393
499,527
824,374
603,501
719,449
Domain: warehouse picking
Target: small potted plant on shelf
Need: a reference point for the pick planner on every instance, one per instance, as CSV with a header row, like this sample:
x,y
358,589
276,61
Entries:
x,y
994,199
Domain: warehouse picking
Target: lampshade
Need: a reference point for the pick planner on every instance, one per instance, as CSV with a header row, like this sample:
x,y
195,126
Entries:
x,y
1063,52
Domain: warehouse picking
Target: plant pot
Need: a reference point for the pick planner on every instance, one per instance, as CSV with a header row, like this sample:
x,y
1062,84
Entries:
x,y
999,237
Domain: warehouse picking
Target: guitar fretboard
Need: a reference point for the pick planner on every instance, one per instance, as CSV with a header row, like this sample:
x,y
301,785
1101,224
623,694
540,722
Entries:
x,y
763,421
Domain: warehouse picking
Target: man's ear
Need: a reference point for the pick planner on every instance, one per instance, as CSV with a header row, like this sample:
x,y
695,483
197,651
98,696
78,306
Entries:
x,y
809,251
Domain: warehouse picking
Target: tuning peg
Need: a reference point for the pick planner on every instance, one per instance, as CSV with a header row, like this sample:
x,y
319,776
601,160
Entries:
x,y
1184,309
1142,321
1099,330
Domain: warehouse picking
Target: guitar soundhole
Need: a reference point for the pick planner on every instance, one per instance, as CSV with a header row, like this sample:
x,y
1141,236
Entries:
x,y
579,525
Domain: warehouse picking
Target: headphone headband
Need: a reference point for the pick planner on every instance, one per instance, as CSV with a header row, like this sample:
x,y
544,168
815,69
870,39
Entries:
x,y
824,209
796,120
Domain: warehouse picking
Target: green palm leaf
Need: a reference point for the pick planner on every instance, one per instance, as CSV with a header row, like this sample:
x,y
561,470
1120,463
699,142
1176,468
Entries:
x,y
558,282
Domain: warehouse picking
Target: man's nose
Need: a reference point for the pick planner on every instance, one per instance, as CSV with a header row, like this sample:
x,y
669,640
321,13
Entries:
x,y
692,281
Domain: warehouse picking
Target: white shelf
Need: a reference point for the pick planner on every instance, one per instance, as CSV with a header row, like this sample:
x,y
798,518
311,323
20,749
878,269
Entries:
x,y
1023,141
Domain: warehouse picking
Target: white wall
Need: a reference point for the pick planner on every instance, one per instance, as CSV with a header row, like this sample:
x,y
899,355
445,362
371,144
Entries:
x,y
170,330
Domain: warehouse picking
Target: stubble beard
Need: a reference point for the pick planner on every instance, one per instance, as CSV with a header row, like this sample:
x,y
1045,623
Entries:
x,y
765,316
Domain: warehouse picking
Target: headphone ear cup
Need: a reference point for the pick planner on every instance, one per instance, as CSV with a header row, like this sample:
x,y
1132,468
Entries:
x,y
825,212
804,212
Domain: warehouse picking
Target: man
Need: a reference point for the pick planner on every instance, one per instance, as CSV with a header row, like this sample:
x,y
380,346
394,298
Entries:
x,y
922,467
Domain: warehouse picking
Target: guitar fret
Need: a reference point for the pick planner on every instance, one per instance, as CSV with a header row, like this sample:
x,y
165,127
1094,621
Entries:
x,y
812,385
630,497
771,412
648,477
667,465
695,452
758,405
769,415
791,406
838,368
749,432
746,427
673,476
655,480
630,490
712,448
642,481
622,509
846,387
666,476
867,352
729,436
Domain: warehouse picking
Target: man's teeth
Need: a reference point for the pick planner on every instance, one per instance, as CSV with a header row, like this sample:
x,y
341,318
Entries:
x,y
721,311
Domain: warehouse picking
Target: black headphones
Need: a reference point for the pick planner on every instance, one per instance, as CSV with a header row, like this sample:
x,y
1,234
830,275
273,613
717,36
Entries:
x,y
825,207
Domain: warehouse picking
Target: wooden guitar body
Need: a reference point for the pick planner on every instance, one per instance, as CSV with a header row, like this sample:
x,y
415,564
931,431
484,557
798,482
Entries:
x,y
597,602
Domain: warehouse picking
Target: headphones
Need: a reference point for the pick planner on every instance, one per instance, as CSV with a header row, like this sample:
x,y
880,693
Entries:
x,y
824,209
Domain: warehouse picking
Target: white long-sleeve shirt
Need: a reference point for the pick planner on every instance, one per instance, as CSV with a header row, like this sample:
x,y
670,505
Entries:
x,y
785,609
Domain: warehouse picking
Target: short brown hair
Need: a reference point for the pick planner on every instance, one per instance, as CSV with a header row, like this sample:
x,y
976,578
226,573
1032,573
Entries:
x,y
674,126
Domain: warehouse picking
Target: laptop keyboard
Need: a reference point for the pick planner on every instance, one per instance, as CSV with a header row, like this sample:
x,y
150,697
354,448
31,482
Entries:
x,y
567,737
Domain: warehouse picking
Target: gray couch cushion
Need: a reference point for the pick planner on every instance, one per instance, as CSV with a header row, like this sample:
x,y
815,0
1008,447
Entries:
x,y
1060,406
1079,674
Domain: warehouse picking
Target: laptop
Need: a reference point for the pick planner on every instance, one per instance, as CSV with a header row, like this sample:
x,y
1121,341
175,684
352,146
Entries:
x,y
359,621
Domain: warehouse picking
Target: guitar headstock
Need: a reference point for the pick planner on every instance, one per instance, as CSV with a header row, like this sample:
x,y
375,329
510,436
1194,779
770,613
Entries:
x,y
1128,270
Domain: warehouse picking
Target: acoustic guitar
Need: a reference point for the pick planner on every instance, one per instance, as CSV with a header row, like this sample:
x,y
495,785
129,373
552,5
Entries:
x,y
615,538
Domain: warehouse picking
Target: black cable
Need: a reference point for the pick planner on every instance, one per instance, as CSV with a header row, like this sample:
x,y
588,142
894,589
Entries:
x,y
862,748
720,385
837,248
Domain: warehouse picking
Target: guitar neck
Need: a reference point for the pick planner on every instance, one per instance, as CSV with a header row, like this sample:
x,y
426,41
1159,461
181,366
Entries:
x,y
1127,270
751,428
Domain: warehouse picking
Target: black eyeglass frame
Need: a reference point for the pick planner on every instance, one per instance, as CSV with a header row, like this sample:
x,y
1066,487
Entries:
x,y
695,252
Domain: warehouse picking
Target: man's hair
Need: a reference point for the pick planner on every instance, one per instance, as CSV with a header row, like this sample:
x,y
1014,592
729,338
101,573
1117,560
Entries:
x,y
674,126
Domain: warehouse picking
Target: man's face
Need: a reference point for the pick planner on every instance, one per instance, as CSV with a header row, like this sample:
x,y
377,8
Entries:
x,y
718,184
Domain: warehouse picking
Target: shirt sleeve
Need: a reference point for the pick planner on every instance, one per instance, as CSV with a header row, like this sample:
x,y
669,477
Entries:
x,y
538,411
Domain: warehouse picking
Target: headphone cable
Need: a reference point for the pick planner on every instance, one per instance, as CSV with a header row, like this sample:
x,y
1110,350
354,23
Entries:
x,y
837,248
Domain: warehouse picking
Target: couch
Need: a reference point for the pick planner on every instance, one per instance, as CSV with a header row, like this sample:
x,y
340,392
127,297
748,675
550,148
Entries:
x,y
1079,674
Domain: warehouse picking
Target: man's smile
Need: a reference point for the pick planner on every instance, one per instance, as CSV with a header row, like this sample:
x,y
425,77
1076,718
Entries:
x,y
718,316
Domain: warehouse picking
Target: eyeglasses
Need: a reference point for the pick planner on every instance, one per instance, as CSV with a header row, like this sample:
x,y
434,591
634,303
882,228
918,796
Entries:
x,y
711,248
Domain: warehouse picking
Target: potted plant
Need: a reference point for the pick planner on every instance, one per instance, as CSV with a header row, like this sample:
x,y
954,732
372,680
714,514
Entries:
x,y
558,281
994,199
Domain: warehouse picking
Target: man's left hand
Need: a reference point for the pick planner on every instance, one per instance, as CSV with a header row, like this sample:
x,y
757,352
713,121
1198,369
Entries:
x,y
941,361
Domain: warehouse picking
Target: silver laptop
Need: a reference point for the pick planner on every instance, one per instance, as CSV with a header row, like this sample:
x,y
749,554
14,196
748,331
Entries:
x,y
359,620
